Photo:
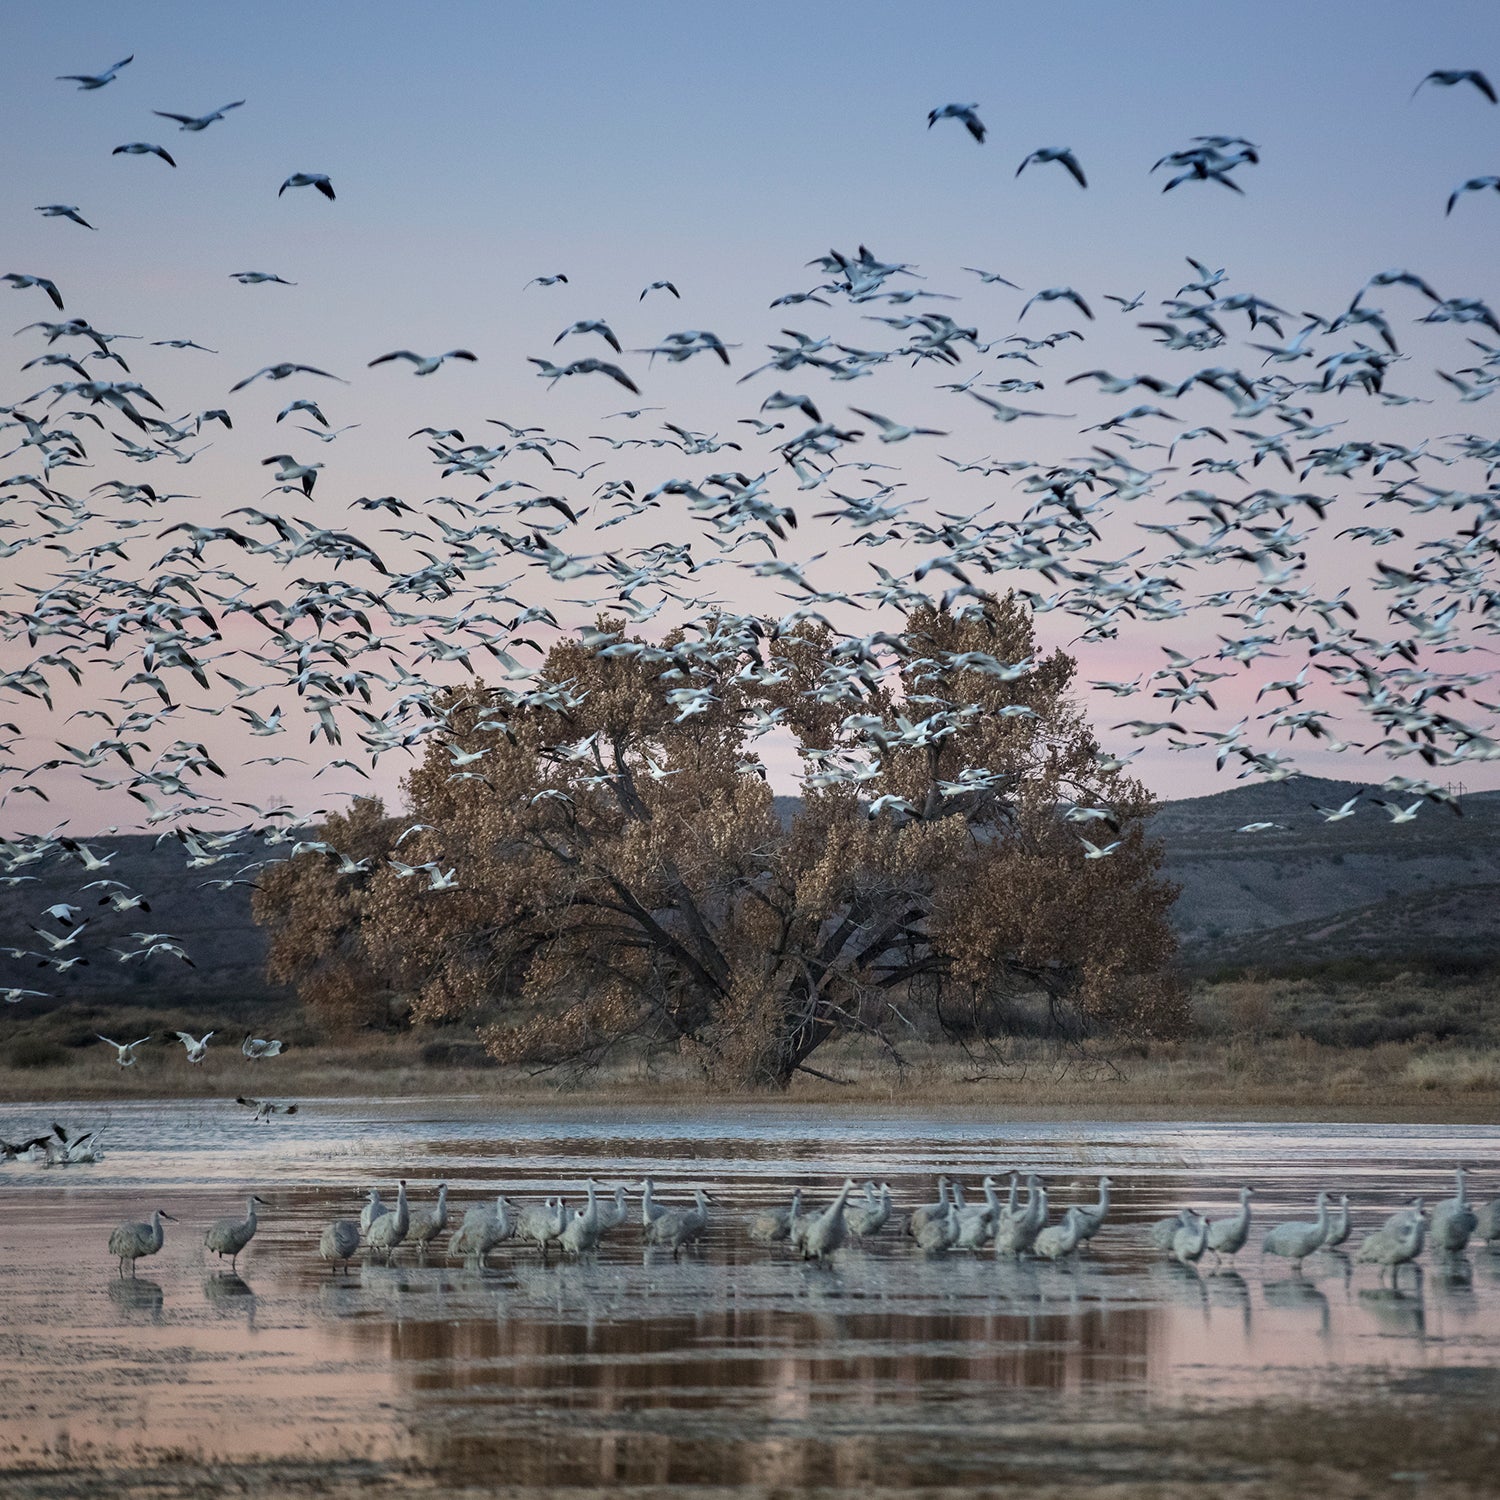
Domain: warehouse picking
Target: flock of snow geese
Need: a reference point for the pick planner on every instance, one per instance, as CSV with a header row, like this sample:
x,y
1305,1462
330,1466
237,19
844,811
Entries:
x,y
124,598
1013,1227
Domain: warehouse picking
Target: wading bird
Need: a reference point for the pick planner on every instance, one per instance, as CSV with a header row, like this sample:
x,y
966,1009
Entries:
x,y
230,1236
131,1242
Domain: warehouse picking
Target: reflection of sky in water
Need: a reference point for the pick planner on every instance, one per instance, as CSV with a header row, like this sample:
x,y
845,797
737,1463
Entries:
x,y
733,1365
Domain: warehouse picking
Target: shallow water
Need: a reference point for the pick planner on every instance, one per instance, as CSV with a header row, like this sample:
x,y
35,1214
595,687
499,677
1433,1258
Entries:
x,y
734,1364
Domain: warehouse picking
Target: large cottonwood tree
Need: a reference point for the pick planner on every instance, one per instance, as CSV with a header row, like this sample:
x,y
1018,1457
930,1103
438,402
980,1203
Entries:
x,y
621,874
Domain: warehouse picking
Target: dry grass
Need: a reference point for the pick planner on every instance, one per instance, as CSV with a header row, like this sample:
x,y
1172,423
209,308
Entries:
x,y
1465,1072
1264,1049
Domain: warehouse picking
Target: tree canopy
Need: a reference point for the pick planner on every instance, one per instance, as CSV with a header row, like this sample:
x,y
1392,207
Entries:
x,y
599,860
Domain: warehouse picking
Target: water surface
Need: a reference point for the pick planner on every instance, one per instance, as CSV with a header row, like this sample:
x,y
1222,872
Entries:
x,y
732,1365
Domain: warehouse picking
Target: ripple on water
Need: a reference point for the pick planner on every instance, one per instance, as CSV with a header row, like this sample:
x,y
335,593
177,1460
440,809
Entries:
x,y
732,1365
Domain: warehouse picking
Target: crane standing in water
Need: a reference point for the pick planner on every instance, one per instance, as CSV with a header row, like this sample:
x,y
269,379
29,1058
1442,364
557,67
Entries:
x,y
1298,1239
230,1236
428,1223
1228,1236
388,1231
133,1241
339,1242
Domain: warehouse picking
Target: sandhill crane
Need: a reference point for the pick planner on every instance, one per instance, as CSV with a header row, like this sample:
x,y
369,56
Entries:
x,y
1392,1245
651,1210
582,1231
1059,1240
938,1232
371,1211
1091,1217
826,1233
541,1223
797,1225
976,1221
1228,1236
388,1230
427,1224
1298,1239
1453,1221
920,1216
339,1242
1013,1197
769,1226
1190,1240
230,1236
1016,1233
1339,1225
680,1226
482,1229
1487,1222
613,1211
1162,1230
872,1217
132,1241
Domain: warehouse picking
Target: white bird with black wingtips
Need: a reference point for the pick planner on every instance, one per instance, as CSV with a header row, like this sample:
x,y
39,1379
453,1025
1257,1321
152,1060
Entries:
x,y
95,80
317,180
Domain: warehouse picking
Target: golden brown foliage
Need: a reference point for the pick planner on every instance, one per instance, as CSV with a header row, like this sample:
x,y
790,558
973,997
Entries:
x,y
621,871
315,917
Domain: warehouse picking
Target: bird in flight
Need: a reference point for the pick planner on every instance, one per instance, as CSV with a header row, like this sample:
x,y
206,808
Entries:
x,y
197,1049
144,148
281,372
423,364
549,371
967,113
63,211
894,432
547,280
1447,77
95,80
318,180
21,281
1058,294
1062,155
991,277
125,1050
265,1108
1473,185
591,325
197,122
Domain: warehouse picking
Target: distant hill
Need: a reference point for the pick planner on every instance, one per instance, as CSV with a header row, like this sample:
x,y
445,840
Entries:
x,y
1305,891
215,926
1310,889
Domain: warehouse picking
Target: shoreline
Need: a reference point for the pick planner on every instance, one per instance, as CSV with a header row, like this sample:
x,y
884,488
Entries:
x,y
1246,1071
467,1099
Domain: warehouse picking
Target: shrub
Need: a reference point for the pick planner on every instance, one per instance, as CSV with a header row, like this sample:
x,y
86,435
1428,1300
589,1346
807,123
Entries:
x,y
36,1052
457,1055
1463,1072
